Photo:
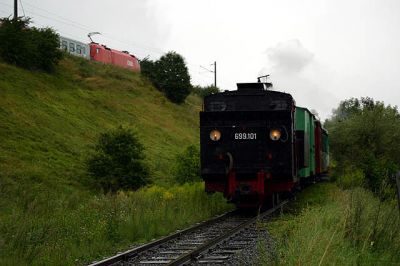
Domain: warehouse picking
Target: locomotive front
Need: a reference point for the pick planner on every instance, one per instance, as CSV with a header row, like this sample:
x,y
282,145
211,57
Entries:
x,y
246,142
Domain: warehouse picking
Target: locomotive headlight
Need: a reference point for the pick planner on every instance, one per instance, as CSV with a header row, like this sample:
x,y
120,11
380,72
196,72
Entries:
x,y
275,134
215,135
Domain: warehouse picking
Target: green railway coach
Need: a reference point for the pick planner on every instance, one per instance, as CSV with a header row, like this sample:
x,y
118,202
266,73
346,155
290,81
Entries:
x,y
304,124
312,145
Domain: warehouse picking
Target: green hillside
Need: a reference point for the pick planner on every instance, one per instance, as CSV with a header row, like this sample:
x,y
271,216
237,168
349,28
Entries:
x,y
48,122
49,212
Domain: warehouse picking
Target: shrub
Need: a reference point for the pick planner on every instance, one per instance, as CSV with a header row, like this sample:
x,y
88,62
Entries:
x,y
187,166
28,47
118,161
364,134
205,91
170,75
351,178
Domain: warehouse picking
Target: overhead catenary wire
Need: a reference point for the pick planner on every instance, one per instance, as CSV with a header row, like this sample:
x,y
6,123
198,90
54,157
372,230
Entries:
x,y
86,28
82,27
51,16
104,34
22,7
90,29
61,17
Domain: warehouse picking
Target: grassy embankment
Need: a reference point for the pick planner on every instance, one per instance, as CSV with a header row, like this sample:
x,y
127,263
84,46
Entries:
x,y
331,226
49,214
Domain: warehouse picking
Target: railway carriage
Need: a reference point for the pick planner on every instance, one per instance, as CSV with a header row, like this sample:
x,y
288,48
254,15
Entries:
x,y
256,144
100,53
75,47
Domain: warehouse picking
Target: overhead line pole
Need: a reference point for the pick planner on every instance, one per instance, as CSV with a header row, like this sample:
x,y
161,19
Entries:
x,y
215,73
15,9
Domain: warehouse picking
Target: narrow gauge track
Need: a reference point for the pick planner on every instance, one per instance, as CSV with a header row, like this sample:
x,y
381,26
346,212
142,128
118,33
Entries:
x,y
208,243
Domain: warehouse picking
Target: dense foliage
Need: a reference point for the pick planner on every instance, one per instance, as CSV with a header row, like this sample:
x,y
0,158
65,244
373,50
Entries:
x,y
28,47
330,226
170,75
118,161
365,137
205,91
187,167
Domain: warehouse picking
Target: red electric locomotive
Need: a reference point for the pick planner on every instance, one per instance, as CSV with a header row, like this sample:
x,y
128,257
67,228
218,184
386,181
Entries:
x,y
102,53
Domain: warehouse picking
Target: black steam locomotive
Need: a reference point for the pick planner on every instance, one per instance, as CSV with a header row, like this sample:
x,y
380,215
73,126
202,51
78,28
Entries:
x,y
256,144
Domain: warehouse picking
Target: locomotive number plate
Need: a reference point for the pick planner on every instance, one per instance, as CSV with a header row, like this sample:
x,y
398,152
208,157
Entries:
x,y
245,135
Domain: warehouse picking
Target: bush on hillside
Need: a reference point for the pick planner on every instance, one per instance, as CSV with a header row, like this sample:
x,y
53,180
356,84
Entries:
x,y
28,47
170,75
148,69
205,91
365,135
187,166
118,161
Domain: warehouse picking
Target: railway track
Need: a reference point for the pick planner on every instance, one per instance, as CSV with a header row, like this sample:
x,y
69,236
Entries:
x,y
212,242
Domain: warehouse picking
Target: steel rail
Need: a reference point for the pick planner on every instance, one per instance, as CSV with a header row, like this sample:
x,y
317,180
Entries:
x,y
196,252
132,252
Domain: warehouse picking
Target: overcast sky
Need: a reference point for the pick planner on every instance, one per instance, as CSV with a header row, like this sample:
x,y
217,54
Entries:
x,y
321,51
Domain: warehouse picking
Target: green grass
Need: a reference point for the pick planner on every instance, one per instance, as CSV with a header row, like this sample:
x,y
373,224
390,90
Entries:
x,y
49,212
81,230
49,121
331,226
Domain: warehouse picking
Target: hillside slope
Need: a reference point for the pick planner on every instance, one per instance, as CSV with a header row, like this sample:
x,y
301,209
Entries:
x,y
48,122
49,212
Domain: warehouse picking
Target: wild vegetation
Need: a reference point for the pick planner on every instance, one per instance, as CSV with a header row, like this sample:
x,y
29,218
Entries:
x,y
118,161
187,165
28,47
354,221
79,228
170,75
365,143
205,91
331,226
51,212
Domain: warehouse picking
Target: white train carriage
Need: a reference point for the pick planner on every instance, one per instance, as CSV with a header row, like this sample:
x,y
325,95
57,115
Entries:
x,y
75,47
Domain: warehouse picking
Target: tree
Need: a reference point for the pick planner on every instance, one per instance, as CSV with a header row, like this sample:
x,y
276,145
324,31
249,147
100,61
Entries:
x,y
12,40
170,75
365,134
28,47
187,166
118,161
148,69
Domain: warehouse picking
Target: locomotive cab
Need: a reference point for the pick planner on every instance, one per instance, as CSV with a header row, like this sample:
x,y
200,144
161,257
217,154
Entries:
x,y
247,145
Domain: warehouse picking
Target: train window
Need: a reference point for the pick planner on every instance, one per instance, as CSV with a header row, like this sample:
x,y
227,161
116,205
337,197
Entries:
x,y
79,49
72,47
97,50
83,50
64,45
